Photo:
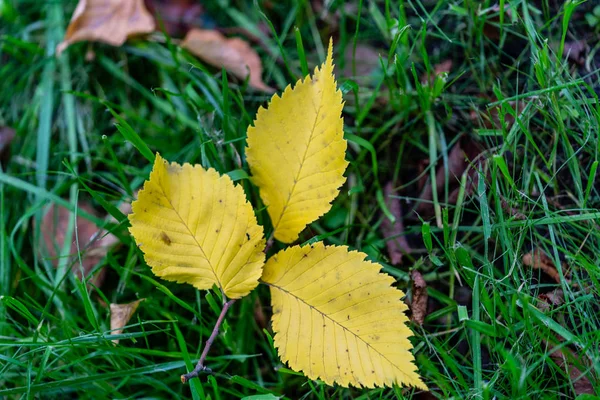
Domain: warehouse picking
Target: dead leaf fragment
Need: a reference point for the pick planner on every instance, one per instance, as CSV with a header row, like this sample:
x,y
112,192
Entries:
x,y
457,164
551,299
107,21
177,16
537,259
494,118
442,68
581,383
513,212
576,51
491,16
419,297
259,315
365,60
235,55
396,242
6,136
92,242
120,314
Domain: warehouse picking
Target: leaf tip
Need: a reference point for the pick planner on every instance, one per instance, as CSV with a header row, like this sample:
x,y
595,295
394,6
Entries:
x,y
329,59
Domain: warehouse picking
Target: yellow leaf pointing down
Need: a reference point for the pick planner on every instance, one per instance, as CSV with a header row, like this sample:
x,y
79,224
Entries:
x,y
296,152
197,227
336,318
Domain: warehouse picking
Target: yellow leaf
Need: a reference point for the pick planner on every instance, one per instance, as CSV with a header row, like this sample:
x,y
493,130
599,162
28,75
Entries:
x,y
235,55
336,318
108,21
296,152
197,227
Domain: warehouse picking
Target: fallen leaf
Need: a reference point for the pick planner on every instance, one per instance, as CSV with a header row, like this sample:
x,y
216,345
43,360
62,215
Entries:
x,y
235,55
419,298
396,242
551,299
91,241
576,51
365,60
107,21
6,136
259,315
438,69
537,259
120,314
491,16
331,15
490,118
581,383
513,212
456,166
177,16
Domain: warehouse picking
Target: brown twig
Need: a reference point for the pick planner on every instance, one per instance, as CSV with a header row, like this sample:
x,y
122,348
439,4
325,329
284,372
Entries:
x,y
200,367
269,244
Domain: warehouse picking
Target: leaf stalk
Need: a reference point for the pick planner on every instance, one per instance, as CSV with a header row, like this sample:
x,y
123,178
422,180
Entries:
x,y
200,367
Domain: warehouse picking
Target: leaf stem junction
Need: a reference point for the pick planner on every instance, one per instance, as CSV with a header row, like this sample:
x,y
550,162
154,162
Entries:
x,y
200,367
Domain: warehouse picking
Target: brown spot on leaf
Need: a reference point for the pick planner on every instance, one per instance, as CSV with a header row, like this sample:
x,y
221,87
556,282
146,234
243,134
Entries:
x,y
165,238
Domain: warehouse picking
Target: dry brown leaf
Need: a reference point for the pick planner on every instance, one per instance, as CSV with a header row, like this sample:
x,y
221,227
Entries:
x,y
107,21
576,51
6,136
490,118
177,16
456,166
120,314
581,383
396,242
259,314
492,20
366,61
419,297
442,68
93,242
235,55
513,212
537,259
551,299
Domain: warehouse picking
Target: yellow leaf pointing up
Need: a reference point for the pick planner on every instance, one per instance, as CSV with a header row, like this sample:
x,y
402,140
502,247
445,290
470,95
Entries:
x,y
197,227
336,318
296,152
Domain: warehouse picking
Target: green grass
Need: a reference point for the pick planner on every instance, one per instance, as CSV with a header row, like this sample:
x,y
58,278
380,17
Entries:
x,y
88,130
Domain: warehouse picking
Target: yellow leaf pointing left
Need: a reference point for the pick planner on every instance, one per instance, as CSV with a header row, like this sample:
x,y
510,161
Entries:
x,y
195,226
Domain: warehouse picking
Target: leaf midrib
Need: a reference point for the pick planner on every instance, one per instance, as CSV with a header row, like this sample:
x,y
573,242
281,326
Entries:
x,y
193,236
337,323
303,161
